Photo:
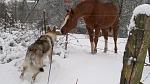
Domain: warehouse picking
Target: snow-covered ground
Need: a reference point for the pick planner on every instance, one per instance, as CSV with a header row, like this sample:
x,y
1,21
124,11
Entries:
x,y
79,66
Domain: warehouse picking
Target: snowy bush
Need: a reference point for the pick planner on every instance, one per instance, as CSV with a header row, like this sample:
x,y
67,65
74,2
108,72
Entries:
x,y
15,41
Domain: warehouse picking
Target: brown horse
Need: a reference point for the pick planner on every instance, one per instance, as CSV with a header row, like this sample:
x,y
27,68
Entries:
x,y
98,16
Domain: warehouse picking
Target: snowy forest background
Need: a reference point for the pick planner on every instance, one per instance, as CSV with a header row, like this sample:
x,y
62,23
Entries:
x,y
21,11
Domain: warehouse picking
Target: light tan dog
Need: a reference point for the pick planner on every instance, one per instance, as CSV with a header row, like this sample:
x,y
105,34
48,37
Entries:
x,y
37,51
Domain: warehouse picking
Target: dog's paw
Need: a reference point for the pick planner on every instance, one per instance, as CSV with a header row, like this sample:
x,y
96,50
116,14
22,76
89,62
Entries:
x,y
21,76
41,70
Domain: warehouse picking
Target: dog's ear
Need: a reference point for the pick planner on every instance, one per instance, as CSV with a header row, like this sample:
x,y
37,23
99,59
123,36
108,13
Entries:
x,y
54,29
49,29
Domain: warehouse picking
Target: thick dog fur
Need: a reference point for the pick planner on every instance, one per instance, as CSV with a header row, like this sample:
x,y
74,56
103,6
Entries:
x,y
37,52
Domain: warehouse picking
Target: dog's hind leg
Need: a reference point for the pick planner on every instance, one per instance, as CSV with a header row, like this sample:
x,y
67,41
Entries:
x,y
34,76
22,73
39,63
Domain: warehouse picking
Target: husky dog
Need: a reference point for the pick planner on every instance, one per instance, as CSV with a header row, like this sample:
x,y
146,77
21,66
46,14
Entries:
x,y
37,51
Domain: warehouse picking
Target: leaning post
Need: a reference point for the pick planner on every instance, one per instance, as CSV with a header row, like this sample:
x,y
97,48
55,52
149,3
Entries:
x,y
136,50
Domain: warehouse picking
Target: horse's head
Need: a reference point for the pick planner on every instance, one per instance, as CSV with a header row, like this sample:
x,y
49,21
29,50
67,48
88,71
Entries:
x,y
69,22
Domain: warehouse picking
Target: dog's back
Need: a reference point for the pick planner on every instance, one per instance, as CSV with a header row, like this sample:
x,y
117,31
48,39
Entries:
x,y
42,44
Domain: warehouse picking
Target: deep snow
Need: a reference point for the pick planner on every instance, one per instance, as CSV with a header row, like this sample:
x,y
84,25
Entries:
x,y
79,65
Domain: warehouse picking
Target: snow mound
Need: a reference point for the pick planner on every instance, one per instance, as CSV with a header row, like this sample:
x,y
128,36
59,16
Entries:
x,y
141,9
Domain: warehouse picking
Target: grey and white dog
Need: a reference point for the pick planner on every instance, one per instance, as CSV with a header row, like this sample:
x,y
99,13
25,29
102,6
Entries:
x,y
37,52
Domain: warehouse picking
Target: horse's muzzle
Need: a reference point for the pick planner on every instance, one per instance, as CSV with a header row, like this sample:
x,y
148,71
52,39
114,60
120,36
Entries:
x,y
63,32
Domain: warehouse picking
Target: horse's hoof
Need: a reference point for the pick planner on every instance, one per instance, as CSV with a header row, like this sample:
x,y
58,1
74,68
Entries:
x,y
115,50
105,51
94,52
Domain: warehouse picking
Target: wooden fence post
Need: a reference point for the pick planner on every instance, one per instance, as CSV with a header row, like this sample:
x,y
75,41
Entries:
x,y
44,21
136,50
66,45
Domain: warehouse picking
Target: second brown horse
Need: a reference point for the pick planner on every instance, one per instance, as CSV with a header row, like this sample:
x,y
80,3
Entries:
x,y
98,17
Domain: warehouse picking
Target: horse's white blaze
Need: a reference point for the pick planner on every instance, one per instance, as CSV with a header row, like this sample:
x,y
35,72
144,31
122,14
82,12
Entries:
x,y
66,18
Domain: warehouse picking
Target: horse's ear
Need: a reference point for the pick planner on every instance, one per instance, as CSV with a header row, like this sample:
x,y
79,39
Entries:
x,y
67,10
72,11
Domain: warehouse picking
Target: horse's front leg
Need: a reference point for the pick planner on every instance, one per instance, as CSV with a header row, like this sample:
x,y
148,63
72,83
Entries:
x,y
105,33
97,34
91,35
